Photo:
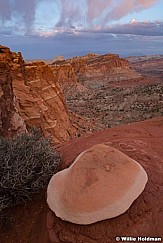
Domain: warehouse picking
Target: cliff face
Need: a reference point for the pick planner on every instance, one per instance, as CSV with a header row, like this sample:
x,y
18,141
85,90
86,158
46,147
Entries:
x,y
10,119
92,70
109,91
39,99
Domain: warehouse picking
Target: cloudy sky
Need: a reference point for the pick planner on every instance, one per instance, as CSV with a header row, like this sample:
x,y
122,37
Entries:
x,y
43,29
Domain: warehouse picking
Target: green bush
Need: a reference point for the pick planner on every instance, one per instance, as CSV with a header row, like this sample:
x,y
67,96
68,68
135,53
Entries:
x,y
27,162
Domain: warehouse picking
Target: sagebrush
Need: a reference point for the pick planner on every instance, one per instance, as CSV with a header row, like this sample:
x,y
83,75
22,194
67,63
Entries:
x,y
27,162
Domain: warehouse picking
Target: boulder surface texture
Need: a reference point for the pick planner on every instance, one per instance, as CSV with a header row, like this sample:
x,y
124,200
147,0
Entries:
x,y
102,183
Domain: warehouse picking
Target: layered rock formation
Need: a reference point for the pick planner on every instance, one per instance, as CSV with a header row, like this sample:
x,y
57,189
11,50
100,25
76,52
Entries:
x,y
106,89
93,70
82,77
103,90
40,101
10,119
47,108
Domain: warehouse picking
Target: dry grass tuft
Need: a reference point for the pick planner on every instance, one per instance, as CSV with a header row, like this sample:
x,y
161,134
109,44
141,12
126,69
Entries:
x,y
27,162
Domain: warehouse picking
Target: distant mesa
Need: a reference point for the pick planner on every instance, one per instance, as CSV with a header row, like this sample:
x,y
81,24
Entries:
x,y
102,183
92,70
58,58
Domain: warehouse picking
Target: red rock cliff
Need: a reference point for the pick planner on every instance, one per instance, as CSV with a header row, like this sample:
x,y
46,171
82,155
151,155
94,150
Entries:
x,y
10,120
109,67
40,101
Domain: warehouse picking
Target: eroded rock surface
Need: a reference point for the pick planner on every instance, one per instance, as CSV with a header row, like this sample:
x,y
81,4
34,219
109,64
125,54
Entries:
x,y
102,183
141,141
39,98
109,89
10,120
93,70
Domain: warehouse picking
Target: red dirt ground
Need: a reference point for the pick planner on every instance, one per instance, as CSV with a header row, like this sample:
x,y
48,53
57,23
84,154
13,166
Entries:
x,y
142,141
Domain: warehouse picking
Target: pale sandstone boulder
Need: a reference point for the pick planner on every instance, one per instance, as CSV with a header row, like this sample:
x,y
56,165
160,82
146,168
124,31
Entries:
x,y
102,183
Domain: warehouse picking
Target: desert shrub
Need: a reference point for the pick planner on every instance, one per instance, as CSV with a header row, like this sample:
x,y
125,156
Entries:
x,y
27,161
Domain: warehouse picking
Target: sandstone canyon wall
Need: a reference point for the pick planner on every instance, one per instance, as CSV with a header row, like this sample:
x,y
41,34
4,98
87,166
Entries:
x,y
10,119
74,96
31,94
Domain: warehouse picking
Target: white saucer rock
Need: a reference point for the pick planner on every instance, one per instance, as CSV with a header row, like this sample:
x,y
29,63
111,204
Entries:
x,y
102,183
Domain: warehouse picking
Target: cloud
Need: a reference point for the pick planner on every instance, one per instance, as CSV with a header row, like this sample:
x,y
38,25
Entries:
x,y
98,12
18,14
134,28
68,45
22,14
5,31
96,8
70,13
122,8
5,9
26,10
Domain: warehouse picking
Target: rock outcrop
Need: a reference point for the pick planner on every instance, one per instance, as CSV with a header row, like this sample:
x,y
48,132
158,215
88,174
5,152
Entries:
x,y
46,108
39,98
93,70
10,120
106,89
101,183
141,141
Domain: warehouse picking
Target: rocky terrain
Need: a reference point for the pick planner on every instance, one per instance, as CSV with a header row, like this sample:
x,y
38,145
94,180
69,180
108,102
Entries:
x,y
150,66
87,93
106,89
77,97
93,70
31,93
141,141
